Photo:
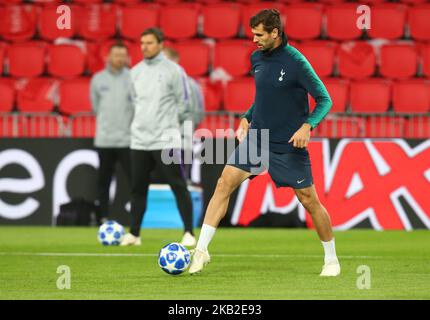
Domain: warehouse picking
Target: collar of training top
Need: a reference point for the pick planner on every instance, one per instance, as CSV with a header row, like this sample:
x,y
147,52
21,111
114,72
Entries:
x,y
159,57
277,49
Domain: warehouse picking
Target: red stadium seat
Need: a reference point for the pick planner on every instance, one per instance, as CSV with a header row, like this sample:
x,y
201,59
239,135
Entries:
x,y
127,2
3,2
48,23
26,59
65,61
47,2
303,21
75,96
341,22
419,22
3,53
388,21
411,96
221,20
356,60
179,21
417,127
209,1
136,18
169,2
398,61
321,55
338,90
194,56
413,2
371,95
98,21
7,94
340,127
239,94
385,127
18,22
87,1
234,56
373,1
251,9
37,95
212,93
425,52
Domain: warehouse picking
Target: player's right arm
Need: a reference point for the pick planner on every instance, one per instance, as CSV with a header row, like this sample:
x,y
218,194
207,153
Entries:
x,y
242,131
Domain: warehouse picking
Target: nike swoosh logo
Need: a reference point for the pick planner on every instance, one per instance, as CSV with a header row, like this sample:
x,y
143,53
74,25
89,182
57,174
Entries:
x,y
300,181
256,71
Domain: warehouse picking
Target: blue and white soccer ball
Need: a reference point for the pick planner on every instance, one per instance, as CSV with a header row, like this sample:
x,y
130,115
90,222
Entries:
x,y
174,258
111,233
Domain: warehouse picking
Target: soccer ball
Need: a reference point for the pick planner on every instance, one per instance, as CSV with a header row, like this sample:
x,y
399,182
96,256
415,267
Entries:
x,y
111,233
174,258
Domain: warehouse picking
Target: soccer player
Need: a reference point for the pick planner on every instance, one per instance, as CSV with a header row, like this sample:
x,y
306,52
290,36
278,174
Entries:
x,y
160,95
283,79
111,103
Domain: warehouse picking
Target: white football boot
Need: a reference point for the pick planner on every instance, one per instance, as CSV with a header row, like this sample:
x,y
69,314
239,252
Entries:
x,y
198,261
130,240
331,269
188,240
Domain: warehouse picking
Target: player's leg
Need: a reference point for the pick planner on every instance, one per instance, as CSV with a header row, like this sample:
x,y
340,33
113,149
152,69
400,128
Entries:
x,y
175,177
142,164
309,199
230,179
104,177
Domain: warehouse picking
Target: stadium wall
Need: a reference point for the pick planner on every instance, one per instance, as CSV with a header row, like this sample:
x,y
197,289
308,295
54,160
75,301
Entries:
x,y
368,183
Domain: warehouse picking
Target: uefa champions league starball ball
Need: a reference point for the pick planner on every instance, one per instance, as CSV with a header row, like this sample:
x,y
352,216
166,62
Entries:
x,y
174,258
111,233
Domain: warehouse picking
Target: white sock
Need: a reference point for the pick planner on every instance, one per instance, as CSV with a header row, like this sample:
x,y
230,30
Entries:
x,y
329,251
205,237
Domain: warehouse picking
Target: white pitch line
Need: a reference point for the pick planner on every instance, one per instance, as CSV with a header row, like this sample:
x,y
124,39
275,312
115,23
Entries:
x,y
83,254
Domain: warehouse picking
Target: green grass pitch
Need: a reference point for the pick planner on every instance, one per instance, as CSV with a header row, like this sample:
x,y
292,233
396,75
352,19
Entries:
x,y
246,264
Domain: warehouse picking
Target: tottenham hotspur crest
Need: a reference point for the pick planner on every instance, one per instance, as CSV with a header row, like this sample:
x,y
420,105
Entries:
x,y
282,75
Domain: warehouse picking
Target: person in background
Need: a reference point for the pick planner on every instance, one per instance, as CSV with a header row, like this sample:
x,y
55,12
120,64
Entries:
x,y
160,98
196,106
112,105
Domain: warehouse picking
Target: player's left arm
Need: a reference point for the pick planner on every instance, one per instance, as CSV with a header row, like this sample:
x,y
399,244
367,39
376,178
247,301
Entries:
x,y
313,84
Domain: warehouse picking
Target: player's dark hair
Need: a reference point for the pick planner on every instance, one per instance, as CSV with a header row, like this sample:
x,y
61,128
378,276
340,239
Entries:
x,y
270,18
156,32
118,44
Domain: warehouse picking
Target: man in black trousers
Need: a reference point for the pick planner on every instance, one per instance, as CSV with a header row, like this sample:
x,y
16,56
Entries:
x,y
112,105
161,102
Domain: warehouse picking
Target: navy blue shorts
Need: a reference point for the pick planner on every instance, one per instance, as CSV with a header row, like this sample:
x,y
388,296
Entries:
x,y
291,169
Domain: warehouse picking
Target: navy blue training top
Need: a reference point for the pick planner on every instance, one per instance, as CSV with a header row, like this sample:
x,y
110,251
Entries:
x,y
283,79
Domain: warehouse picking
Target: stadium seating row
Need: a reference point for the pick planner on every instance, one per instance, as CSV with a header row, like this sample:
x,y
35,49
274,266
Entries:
x,y
53,126
352,59
304,21
362,96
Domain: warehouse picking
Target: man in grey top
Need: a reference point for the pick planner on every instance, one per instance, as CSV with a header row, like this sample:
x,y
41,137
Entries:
x,y
112,105
160,98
